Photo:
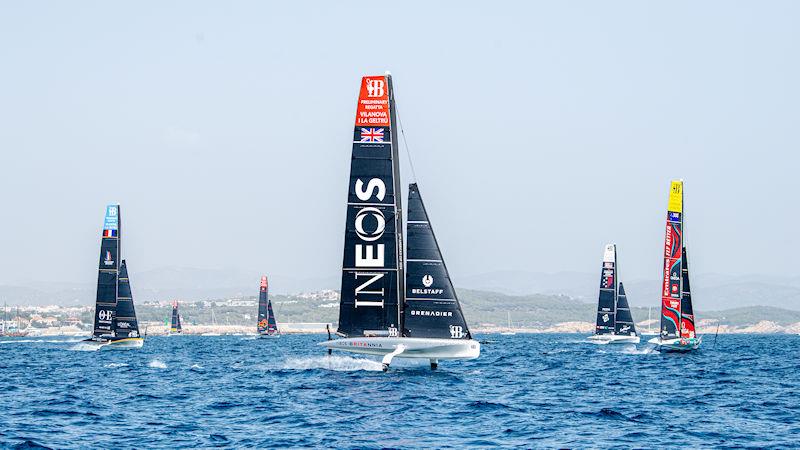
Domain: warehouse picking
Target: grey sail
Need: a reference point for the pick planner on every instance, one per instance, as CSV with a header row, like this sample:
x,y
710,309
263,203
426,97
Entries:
x,y
624,324
431,308
108,273
125,323
372,268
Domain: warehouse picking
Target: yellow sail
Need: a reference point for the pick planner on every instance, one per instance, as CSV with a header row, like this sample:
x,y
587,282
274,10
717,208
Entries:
x,y
676,197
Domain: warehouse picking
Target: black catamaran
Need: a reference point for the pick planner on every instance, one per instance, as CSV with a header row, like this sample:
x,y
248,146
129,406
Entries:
x,y
267,326
175,323
614,324
391,306
677,314
115,317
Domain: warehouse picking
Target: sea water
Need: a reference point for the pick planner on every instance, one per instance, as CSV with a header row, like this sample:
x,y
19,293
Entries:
x,y
527,390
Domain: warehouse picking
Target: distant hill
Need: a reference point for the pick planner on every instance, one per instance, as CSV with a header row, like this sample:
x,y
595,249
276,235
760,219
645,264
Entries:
x,y
711,291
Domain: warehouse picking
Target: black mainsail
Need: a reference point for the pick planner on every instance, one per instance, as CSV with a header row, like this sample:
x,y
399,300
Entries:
x,y
266,317
607,299
623,324
373,281
431,307
125,323
108,274
175,326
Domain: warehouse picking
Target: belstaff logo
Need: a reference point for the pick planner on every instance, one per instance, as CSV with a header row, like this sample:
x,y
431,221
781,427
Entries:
x,y
427,281
375,87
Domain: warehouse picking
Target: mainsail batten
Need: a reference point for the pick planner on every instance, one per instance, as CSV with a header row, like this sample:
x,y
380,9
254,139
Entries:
x,y
372,269
432,309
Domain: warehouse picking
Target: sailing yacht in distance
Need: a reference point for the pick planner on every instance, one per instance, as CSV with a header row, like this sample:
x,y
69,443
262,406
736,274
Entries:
x,y
115,323
267,326
614,323
175,324
389,306
677,314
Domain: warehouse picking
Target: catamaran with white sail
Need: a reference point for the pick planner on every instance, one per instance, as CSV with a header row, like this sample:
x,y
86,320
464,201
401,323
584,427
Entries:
x,y
614,324
677,314
115,324
390,306
267,325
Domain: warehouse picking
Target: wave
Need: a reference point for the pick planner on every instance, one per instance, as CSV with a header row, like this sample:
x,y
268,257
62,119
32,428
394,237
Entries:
x,y
85,347
18,341
115,365
156,364
336,363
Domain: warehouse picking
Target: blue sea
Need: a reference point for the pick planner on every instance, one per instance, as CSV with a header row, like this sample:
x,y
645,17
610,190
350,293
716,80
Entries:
x,y
526,390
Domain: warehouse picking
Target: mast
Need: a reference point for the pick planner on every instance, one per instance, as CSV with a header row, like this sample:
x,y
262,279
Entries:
x,y
108,273
372,281
673,255
607,298
398,223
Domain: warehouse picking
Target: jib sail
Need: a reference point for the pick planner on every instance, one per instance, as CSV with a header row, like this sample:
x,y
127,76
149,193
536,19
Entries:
x,y
624,320
431,305
687,312
372,268
125,323
108,272
672,276
607,299
175,326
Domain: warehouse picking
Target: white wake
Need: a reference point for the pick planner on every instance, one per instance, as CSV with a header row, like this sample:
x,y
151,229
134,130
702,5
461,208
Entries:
x,y
336,363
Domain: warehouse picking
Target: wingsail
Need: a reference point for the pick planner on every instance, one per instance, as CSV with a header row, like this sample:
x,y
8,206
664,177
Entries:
x,y
372,268
607,299
672,277
108,273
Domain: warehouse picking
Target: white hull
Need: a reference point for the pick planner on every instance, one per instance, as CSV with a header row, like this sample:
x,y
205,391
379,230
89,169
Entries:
x,y
269,336
120,344
603,339
676,345
423,348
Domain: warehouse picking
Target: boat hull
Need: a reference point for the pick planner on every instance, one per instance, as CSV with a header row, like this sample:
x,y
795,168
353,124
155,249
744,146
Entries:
x,y
423,348
613,339
117,344
680,345
269,336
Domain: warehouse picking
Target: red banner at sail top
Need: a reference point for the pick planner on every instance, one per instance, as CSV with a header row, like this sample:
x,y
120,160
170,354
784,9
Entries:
x,y
373,102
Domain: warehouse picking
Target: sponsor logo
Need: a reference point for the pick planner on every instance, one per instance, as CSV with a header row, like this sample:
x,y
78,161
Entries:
x,y
393,332
375,87
624,328
427,291
369,254
456,332
105,314
123,325
108,261
427,313
427,281
605,318
372,135
364,344
674,216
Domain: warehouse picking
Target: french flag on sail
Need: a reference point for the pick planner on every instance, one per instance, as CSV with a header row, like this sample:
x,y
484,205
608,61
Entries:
x,y
109,233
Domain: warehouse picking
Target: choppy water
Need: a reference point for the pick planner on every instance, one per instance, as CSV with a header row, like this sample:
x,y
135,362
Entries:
x,y
525,391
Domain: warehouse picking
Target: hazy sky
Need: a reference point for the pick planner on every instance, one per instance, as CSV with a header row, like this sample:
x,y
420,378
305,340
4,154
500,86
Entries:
x,y
539,131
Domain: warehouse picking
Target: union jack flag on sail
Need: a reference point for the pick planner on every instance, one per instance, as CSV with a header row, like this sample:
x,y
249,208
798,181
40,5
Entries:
x,y
372,135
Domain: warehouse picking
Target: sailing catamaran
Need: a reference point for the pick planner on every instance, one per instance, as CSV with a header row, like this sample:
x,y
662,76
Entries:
x,y
614,321
175,325
677,315
267,326
390,306
115,323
